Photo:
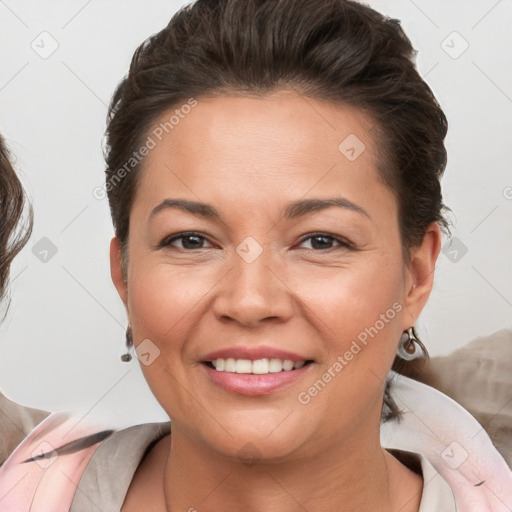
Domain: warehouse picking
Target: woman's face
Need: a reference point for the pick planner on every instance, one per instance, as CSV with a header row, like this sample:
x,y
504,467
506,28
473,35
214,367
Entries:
x,y
268,274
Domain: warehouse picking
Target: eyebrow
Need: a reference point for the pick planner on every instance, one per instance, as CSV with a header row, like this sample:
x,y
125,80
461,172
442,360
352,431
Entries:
x,y
292,210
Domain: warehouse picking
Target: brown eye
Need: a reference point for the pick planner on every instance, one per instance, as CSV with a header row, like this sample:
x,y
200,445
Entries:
x,y
323,241
190,241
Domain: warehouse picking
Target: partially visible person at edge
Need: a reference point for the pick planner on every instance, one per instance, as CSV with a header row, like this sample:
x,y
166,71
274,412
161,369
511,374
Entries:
x,y
15,230
296,150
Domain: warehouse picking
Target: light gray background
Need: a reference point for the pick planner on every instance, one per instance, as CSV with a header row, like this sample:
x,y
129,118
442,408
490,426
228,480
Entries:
x,y
61,343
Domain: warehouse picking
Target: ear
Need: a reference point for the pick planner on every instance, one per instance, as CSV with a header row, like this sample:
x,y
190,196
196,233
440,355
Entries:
x,y
116,270
420,278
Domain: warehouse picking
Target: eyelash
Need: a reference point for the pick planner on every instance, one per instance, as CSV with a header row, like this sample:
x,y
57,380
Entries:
x,y
166,242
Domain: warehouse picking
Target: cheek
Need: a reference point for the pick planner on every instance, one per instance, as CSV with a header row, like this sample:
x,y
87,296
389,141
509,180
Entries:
x,y
352,298
163,304
162,299
358,309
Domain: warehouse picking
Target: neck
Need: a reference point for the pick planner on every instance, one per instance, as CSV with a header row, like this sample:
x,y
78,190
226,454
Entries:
x,y
356,474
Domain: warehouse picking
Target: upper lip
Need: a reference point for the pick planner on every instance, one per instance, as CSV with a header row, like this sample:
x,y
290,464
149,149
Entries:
x,y
253,353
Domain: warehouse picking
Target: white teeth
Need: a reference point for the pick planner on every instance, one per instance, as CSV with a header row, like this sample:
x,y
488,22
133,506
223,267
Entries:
x,y
258,366
275,365
230,365
243,366
287,365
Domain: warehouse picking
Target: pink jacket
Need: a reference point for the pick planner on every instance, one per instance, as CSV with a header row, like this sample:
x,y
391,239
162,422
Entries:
x,y
42,473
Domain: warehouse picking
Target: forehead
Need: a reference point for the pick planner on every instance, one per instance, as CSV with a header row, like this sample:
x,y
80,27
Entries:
x,y
257,147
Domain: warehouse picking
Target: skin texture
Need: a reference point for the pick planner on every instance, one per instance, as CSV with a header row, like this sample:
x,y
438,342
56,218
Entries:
x,y
249,157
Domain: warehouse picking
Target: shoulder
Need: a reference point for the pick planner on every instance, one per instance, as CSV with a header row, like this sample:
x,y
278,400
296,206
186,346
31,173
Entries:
x,y
66,452
477,376
16,421
58,449
452,441
123,454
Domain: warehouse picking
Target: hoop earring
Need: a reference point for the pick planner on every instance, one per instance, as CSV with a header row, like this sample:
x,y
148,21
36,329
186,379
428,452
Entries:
x,y
410,346
126,358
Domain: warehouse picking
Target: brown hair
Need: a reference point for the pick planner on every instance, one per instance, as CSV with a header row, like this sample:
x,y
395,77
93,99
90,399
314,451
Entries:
x,y
335,50
13,233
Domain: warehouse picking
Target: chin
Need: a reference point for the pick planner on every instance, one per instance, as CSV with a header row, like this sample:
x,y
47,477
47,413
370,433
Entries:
x,y
259,451
257,442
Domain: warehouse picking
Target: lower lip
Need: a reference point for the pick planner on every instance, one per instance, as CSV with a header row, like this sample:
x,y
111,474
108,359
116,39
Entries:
x,y
250,384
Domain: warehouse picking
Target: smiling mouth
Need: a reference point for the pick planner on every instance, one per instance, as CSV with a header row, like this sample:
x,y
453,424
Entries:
x,y
255,367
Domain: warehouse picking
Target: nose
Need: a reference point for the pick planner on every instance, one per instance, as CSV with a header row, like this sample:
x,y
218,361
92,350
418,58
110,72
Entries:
x,y
253,292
